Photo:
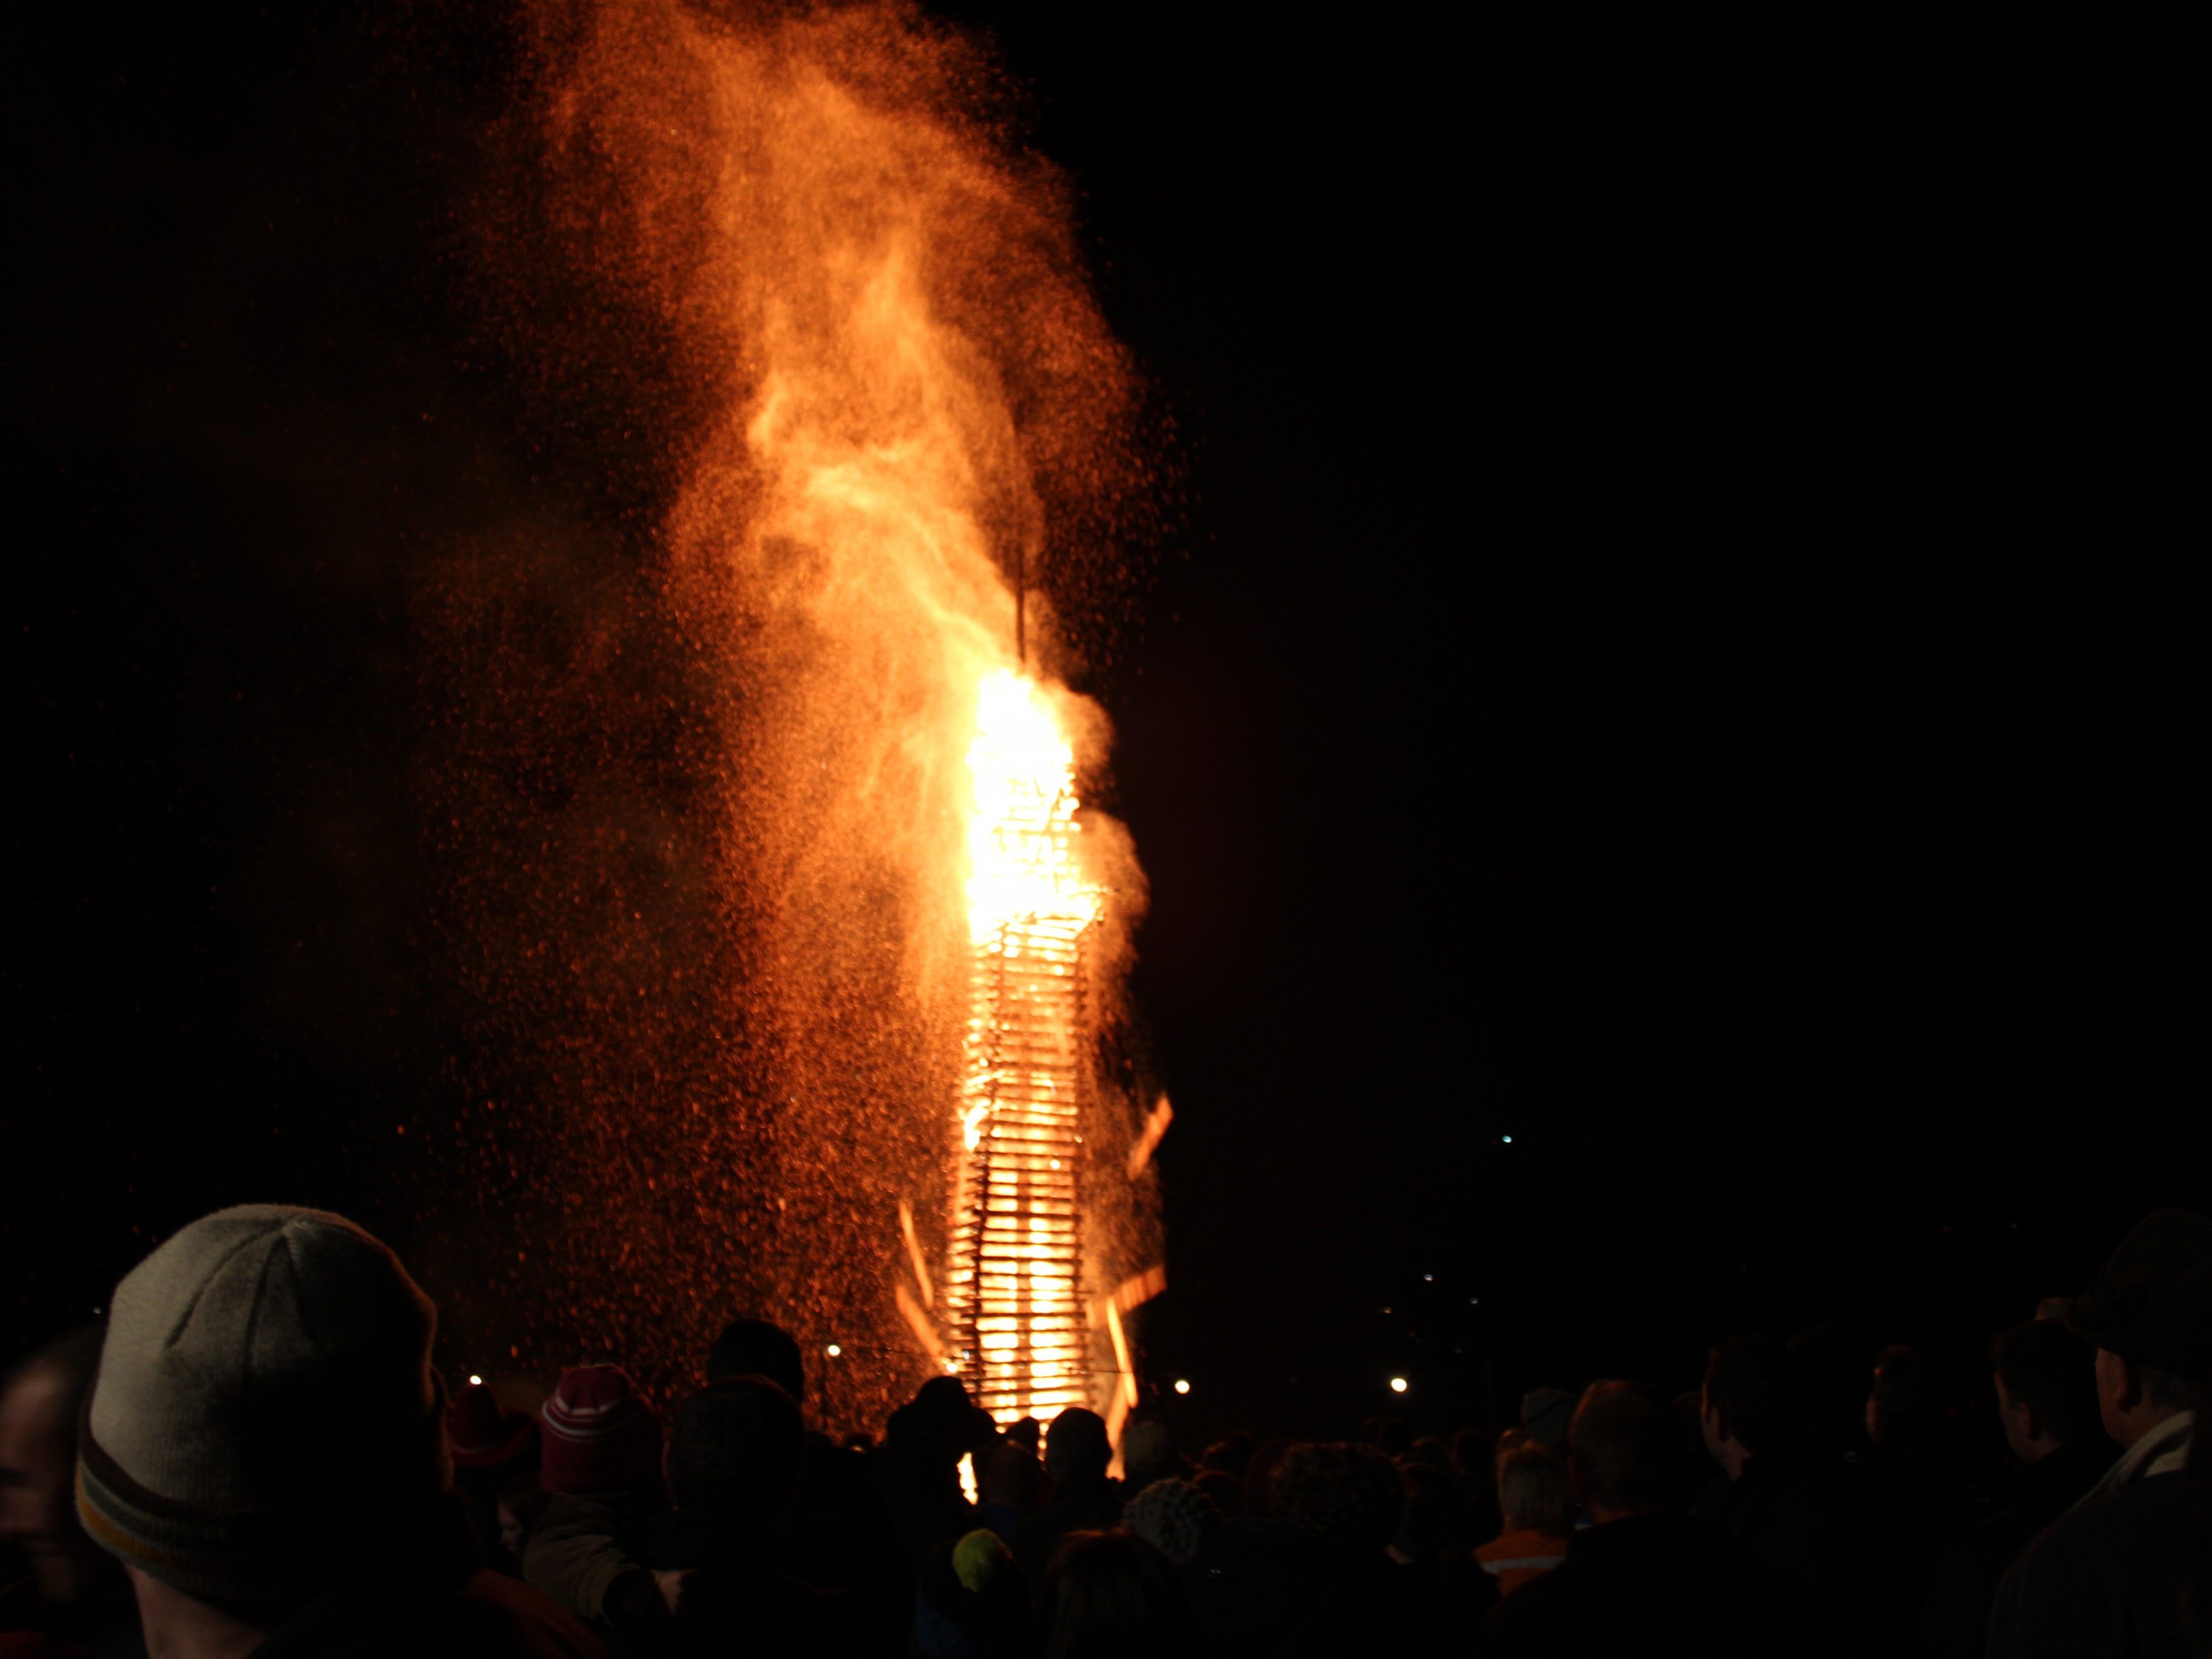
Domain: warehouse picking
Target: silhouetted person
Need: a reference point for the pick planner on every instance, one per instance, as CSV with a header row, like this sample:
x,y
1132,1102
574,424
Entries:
x,y
2107,1577
973,1602
1812,1519
1538,1503
2047,1400
76,1595
495,1468
917,1470
1009,1482
1112,1596
1642,1578
1919,1480
734,1453
1076,1456
265,1451
1314,1576
601,1469
840,1534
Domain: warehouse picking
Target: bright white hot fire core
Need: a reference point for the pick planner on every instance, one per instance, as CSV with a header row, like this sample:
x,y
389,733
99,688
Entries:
x,y
1014,1283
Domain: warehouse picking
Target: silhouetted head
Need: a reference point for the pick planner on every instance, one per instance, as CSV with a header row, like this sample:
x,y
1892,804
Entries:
x,y
41,1405
734,1454
1533,1493
1113,1595
1626,1451
2046,1386
753,1347
1347,1497
1901,1405
1756,1397
1076,1450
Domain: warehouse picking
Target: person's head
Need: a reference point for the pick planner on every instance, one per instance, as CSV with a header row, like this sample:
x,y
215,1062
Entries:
x,y
2047,1388
1076,1450
735,1452
941,1424
1545,1414
1348,1498
1148,1454
40,1404
1754,1400
1533,1493
1901,1402
601,1438
265,1416
1008,1476
2149,1315
1113,1595
1428,1449
1471,1459
1174,1517
753,1347
1231,1454
1625,1453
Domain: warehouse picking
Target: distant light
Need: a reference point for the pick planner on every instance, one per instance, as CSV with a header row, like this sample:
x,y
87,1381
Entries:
x,y
1428,1278
833,1350
1508,1140
1397,1385
475,1382
1474,1302
1183,1385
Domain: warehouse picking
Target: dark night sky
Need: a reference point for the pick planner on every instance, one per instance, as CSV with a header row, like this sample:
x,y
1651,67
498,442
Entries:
x,y
1683,646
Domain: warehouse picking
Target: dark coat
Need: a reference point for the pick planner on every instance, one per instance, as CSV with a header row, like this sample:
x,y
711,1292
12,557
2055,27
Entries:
x,y
2104,1582
1820,1524
1631,1582
1955,1614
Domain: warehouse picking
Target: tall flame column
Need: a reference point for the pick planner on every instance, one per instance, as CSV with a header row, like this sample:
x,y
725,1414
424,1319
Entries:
x,y
1014,1285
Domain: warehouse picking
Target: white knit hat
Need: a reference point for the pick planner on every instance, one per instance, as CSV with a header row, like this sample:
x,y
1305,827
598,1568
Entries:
x,y
265,1395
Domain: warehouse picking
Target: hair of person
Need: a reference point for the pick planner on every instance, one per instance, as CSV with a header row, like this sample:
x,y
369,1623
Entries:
x,y
1761,1390
2045,1367
1347,1497
754,1347
2170,1391
1534,1491
1628,1446
72,1359
1904,1389
736,1450
1113,1595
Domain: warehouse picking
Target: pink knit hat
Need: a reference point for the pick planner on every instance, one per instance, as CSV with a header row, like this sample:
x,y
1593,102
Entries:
x,y
599,1435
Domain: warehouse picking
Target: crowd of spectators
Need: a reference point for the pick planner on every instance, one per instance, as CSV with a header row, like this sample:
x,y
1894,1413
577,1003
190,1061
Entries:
x,y
253,1455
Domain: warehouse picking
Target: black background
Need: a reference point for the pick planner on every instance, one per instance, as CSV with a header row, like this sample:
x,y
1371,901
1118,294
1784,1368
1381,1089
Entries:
x,y
1680,646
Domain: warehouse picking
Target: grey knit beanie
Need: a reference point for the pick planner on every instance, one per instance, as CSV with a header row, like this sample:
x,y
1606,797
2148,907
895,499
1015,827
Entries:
x,y
1172,1515
265,1405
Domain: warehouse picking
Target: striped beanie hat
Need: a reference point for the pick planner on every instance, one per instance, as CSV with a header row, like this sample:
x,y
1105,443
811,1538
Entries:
x,y
264,1404
599,1435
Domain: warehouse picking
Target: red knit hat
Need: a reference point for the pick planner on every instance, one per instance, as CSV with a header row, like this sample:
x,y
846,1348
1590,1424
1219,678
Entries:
x,y
599,1435
481,1433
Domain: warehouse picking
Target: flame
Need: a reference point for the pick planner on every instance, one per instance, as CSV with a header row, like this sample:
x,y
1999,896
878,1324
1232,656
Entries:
x,y
1021,856
1014,1284
902,397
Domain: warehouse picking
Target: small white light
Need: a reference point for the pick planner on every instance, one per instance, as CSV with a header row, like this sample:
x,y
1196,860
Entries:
x,y
1428,1278
1508,1140
1183,1385
833,1350
475,1382
1397,1385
